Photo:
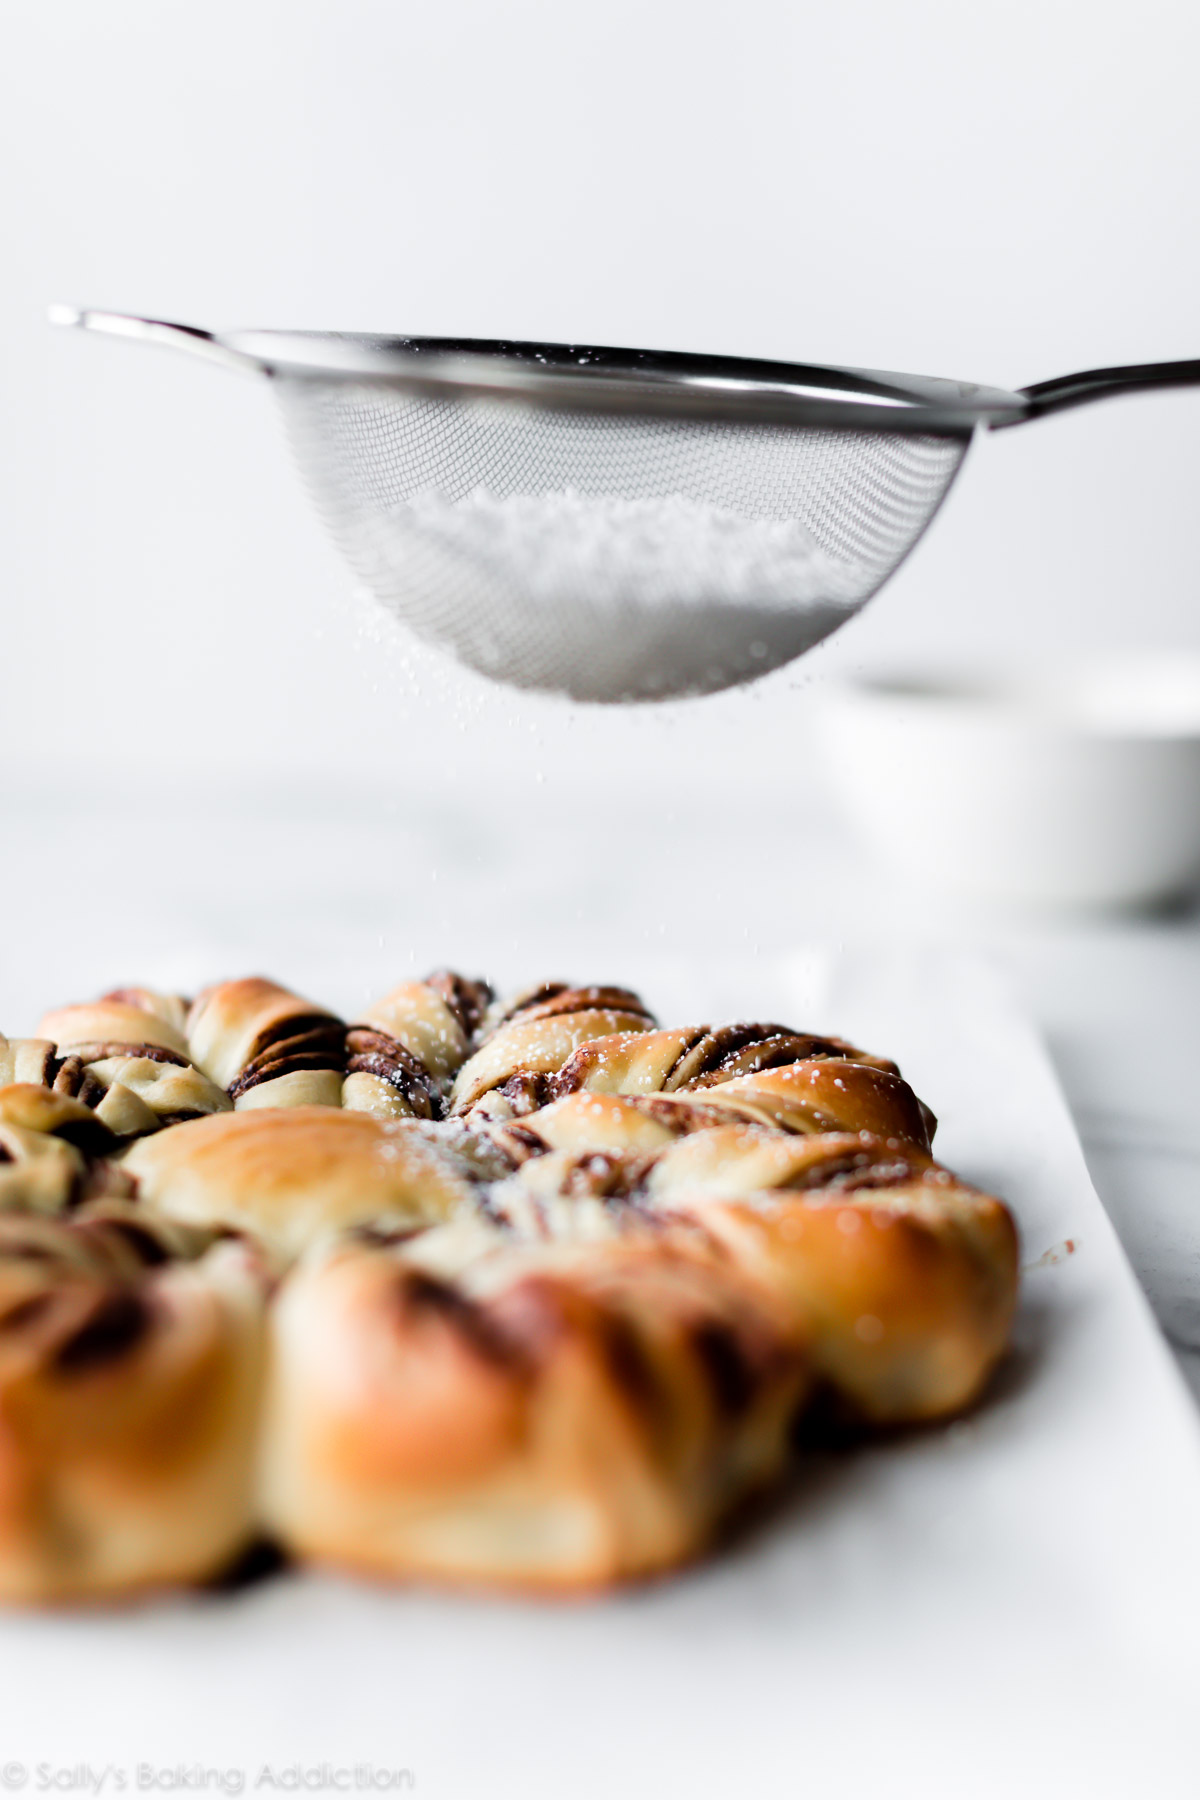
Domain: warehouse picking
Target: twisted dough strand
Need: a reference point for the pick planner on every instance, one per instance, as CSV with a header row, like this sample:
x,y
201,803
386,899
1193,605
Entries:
x,y
544,1418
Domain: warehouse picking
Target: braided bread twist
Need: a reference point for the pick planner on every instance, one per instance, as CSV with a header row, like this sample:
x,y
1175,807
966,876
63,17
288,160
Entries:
x,y
906,1275
542,1417
552,1285
127,1057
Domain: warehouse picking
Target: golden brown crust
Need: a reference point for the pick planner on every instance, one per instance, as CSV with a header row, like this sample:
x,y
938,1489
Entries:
x,y
909,1319
172,1008
738,1158
841,1086
621,1064
262,1046
125,1056
551,999
698,1056
588,1121
293,1175
533,1047
111,1022
33,1107
130,1413
433,1020
244,1033
906,1275
828,1096
549,1420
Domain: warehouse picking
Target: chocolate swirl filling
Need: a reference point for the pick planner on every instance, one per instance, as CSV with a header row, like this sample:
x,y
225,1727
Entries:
x,y
467,1000
372,1052
72,1078
303,1041
711,1055
724,1052
554,998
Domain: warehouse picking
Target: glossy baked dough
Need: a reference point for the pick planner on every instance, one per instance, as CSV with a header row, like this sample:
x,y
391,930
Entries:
x,y
144,1059
546,1417
534,1035
906,1276
266,1046
294,1175
127,1057
546,1288
130,1389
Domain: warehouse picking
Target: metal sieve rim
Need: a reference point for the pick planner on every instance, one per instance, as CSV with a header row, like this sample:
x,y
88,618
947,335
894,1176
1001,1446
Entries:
x,y
593,378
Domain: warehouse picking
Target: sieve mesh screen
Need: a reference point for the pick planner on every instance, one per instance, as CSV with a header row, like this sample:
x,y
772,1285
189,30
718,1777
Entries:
x,y
665,593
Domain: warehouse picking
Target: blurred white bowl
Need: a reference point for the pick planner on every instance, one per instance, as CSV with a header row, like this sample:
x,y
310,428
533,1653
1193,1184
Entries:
x,y
1077,787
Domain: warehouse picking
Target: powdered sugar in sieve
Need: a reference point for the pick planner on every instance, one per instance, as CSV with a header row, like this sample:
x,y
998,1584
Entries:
x,y
612,599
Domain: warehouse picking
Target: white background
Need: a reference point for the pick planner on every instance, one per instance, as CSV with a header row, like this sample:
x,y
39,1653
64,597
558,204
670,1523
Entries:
x,y
997,192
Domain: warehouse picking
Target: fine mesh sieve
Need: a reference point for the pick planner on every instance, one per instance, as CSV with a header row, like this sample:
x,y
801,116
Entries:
x,y
614,524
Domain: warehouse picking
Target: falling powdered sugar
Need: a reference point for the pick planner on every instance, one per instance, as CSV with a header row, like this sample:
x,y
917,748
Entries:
x,y
610,599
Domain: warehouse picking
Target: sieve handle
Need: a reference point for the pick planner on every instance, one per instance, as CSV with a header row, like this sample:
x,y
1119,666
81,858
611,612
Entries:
x,y
189,338
1098,384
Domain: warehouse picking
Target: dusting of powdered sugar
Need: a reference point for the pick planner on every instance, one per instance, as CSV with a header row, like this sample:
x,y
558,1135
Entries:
x,y
610,599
